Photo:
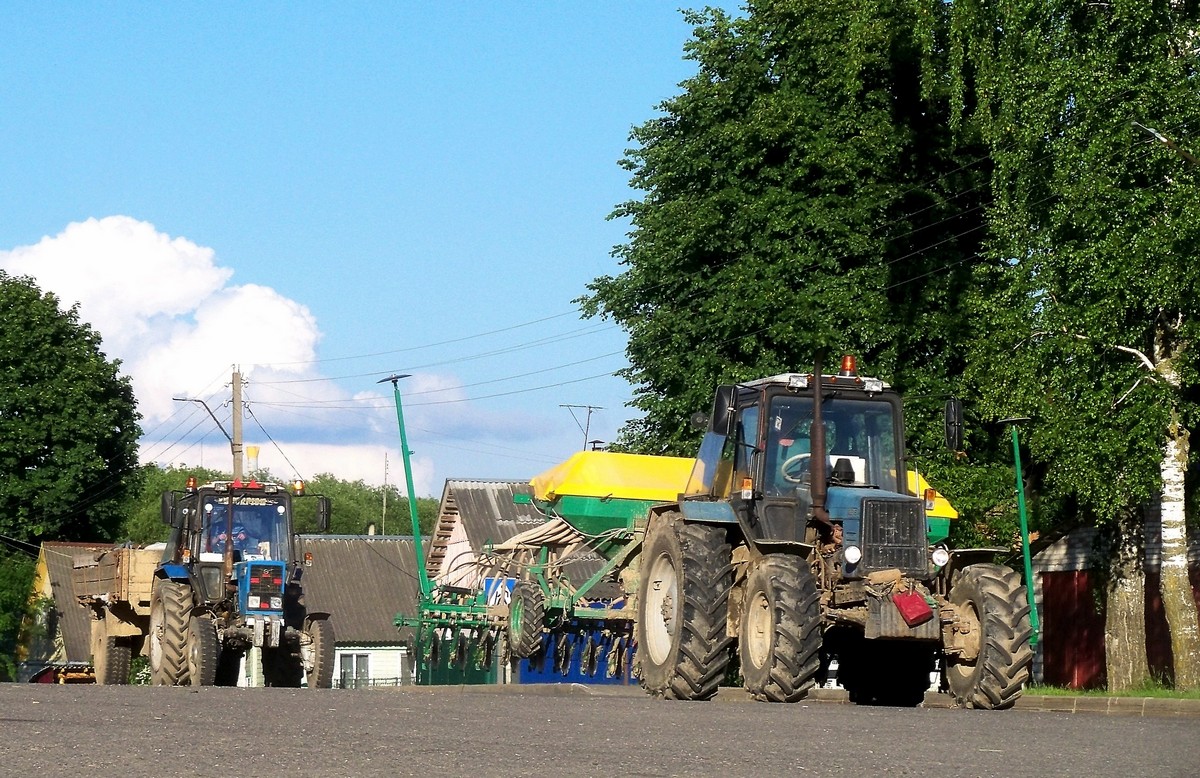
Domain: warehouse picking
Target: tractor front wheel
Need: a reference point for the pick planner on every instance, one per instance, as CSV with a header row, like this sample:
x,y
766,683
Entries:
x,y
319,654
683,606
779,641
204,652
992,602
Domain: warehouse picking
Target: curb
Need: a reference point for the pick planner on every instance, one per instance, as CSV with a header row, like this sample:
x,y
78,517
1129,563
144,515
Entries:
x,y
1134,707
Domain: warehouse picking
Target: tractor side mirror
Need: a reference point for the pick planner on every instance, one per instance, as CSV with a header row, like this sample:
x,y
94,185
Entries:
x,y
724,404
324,510
168,508
954,424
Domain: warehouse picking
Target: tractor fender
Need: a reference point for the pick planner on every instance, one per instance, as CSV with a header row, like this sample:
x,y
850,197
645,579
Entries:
x,y
172,571
965,557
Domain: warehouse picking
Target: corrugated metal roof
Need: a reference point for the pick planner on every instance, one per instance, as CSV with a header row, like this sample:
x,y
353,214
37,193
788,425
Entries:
x,y
74,622
362,582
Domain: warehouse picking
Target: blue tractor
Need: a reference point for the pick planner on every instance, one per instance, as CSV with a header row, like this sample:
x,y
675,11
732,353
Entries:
x,y
230,580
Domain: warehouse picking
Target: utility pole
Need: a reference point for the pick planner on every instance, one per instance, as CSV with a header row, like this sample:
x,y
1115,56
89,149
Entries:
x,y
385,491
586,426
235,442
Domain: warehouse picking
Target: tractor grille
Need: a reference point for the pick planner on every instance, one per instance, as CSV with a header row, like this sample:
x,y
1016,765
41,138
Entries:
x,y
893,536
266,580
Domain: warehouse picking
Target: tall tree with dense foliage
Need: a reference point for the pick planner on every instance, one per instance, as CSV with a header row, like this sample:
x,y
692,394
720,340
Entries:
x,y
1091,306
68,422
803,193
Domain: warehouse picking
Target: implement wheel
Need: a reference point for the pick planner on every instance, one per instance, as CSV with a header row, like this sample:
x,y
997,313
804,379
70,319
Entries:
x,y
683,604
779,641
526,612
170,619
111,656
993,601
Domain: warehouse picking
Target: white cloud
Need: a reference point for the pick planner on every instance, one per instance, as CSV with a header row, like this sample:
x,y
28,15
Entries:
x,y
166,309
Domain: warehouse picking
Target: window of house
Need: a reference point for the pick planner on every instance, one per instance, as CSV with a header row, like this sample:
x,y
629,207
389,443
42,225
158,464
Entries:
x,y
354,670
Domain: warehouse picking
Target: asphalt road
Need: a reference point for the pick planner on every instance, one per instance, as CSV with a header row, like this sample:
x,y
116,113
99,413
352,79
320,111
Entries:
x,y
48,731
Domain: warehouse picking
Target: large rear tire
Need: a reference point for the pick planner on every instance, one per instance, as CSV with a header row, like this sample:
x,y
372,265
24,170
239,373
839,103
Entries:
x,y
112,656
779,641
683,606
993,597
170,618
526,613
204,652
319,654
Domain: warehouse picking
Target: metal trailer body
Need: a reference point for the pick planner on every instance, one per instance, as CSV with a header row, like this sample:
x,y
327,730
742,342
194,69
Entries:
x,y
116,585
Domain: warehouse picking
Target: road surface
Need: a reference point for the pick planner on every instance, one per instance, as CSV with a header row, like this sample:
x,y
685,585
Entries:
x,y
134,732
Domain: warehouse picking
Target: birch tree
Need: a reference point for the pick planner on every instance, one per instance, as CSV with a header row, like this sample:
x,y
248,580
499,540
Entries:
x,y
1092,308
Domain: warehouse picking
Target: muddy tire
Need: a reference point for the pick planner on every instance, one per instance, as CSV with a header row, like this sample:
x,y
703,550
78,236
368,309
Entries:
x,y
170,620
683,605
526,612
994,597
779,640
111,656
204,652
319,654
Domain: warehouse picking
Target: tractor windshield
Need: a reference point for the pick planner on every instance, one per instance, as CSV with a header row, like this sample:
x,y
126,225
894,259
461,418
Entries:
x,y
259,529
860,439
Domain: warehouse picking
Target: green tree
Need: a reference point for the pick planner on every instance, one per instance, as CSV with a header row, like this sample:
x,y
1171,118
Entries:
x,y
804,193
16,585
68,423
357,506
1090,306
143,524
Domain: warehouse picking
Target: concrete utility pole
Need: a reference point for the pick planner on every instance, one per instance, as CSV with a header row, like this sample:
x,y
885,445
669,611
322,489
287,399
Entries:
x,y
235,443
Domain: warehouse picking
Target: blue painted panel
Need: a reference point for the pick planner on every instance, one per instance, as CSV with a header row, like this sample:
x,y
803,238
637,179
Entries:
x,y
703,510
561,659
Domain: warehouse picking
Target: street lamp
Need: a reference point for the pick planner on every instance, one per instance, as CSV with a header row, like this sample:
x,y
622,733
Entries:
x,y
422,573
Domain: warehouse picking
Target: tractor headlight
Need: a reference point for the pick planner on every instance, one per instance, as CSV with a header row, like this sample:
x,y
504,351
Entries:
x,y
277,603
253,601
852,554
940,556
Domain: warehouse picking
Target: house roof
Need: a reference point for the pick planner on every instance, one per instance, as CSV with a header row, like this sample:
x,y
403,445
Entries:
x,y
74,621
362,582
1077,549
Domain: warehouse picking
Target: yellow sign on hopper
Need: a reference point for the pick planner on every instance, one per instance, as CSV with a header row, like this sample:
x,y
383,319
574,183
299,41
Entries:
x,y
621,476
942,509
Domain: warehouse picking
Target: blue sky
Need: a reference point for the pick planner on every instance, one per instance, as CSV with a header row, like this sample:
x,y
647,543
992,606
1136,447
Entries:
x,y
322,194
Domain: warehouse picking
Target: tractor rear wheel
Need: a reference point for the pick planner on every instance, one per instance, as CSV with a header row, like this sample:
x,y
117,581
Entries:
x,y
319,654
683,606
204,651
526,612
994,603
111,656
779,641
170,617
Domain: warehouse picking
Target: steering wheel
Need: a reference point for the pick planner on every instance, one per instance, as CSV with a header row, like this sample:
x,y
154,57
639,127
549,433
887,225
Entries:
x,y
800,463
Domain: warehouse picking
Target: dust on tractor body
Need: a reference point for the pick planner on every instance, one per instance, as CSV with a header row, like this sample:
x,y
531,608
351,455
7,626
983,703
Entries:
x,y
229,580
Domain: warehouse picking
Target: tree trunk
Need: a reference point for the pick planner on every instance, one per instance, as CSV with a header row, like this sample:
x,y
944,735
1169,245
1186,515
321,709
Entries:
x,y
1178,602
1125,614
